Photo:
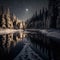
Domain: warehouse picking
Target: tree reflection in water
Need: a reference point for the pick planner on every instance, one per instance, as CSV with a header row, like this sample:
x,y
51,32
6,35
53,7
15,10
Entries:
x,y
11,44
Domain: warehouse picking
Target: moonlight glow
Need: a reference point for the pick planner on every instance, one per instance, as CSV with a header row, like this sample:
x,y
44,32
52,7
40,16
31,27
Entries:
x,y
27,9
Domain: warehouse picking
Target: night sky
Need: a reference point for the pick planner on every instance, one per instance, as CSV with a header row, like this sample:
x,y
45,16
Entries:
x,y
24,9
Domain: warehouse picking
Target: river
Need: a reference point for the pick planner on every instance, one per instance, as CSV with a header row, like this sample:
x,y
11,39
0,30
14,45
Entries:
x,y
21,45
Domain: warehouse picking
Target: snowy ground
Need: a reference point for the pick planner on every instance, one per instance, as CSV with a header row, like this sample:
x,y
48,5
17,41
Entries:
x,y
7,31
27,54
50,32
55,33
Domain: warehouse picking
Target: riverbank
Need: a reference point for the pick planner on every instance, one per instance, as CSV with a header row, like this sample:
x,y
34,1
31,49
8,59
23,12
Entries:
x,y
7,31
54,33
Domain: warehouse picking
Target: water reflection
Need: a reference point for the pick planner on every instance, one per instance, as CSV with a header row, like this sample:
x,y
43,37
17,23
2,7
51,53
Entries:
x,y
40,44
11,44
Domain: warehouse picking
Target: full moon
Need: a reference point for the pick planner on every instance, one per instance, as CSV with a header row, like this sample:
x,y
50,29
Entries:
x,y
27,9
